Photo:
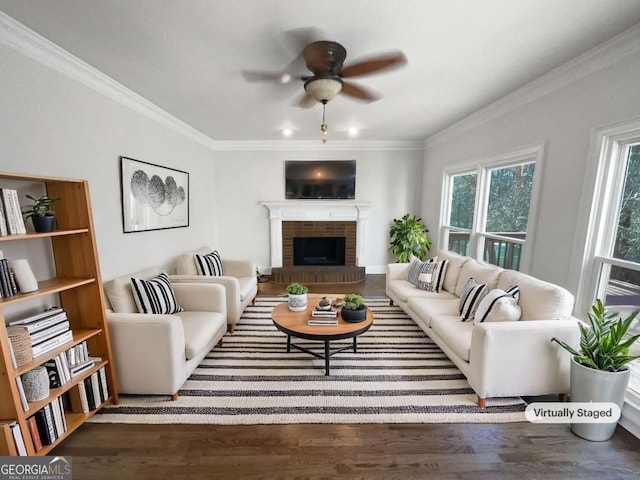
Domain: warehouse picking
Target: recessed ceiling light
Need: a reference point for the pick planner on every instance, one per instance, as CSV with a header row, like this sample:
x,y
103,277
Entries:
x,y
285,78
287,132
353,131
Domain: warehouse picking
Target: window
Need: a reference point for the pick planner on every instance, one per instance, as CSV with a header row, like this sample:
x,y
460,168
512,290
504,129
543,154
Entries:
x,y
487,208
610,263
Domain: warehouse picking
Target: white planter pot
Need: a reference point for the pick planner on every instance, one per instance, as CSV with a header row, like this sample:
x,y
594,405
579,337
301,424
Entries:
x,y
589,385
298,303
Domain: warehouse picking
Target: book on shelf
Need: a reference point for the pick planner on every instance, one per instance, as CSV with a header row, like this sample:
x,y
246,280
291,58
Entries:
x,y
12,213
81,367
78,399
17,436
18,212
103,383
95,385
52,343
21,394
35,435
32,321
5,278
3,220
323,321
49,332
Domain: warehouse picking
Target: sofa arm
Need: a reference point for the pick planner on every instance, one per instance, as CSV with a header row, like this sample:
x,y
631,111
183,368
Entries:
x,y
397,271
148,352
201,297
230,284
239,268
518,358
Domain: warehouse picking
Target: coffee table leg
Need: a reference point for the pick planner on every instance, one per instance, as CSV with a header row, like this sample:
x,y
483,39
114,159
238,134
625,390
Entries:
x,y
327,356
288,343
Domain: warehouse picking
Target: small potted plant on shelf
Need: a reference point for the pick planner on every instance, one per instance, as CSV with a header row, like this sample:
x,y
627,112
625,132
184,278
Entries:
x,y
40,212
297,297
353,310
599,370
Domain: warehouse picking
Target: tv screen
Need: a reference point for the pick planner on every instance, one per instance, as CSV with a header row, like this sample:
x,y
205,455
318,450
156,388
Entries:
x,y
320,179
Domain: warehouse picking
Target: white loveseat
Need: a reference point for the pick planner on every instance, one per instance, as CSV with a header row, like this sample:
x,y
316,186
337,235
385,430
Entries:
x,y
499,359
239,280
155,354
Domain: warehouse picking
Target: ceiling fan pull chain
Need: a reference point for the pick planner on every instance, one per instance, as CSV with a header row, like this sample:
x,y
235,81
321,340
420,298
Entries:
x,y
324,127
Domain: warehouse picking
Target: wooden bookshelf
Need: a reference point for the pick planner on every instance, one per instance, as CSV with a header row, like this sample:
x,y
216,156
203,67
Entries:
x,y
78,284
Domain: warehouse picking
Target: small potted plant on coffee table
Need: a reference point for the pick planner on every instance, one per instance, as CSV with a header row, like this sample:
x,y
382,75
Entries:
x,y
297,297
354,310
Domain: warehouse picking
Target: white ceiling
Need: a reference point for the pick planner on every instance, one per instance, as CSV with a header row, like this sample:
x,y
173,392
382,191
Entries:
x,y
187,56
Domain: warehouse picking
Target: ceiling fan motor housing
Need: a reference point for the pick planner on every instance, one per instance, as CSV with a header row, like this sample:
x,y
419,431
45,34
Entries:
x,y
325,57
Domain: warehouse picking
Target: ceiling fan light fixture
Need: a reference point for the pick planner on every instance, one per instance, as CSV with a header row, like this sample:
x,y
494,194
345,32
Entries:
x,y
323,89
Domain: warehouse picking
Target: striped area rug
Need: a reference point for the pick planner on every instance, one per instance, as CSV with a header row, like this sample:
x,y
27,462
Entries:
x,y
398,375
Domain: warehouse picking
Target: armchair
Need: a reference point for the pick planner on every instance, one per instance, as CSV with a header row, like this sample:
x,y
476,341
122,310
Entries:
x,y
239,280
155,354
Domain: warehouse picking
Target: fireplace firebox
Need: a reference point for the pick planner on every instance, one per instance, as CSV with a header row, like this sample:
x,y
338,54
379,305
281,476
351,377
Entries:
x,y
319,250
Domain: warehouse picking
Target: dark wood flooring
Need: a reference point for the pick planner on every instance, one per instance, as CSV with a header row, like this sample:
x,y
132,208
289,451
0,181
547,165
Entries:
x,y
520,451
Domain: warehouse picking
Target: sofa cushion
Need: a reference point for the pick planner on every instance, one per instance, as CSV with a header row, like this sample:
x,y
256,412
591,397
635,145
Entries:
x,y
403,291
539,300
209,265
472,294
482,273
185,263
498,306
247,286
199,329
436,305
454,265
454,333
155,296
119,293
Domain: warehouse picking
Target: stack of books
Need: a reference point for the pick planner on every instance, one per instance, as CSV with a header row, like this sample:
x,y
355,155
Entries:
x,y
8,286
48,330
323,317
49,423
11,221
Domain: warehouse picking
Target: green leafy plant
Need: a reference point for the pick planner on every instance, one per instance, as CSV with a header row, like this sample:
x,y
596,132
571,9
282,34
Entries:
x,y
408,237
41,206
296,288
603,343
352,301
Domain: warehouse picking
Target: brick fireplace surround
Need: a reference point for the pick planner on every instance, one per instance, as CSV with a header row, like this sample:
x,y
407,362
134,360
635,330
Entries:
x,y
317,219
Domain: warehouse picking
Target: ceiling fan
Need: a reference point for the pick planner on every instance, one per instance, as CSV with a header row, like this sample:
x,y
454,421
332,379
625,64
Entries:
x,y
325,60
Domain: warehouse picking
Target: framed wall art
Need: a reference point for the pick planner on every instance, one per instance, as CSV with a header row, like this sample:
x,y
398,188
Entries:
x,y
153,197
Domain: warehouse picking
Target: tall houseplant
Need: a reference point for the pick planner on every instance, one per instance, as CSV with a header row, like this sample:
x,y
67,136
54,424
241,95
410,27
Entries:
x,y
599,370
409,237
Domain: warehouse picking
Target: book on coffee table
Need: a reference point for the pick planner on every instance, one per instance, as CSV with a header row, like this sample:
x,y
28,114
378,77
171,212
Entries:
x,y
324,314
323,321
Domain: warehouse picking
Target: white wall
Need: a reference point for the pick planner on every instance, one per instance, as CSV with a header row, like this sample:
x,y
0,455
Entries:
x,y
389,180
53,125
564,120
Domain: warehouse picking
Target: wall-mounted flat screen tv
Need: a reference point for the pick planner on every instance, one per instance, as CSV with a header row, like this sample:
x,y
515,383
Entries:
x,y
320,179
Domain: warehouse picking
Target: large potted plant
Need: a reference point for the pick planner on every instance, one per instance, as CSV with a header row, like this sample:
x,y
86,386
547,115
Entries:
x,y
599,370
353,310
408,237
297,297
40,212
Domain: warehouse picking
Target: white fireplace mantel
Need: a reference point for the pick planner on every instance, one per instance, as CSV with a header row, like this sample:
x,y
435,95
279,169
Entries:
x,y
320,211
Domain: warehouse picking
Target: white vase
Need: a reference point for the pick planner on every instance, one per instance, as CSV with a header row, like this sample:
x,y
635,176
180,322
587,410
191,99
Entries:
x,y
25,279
298,303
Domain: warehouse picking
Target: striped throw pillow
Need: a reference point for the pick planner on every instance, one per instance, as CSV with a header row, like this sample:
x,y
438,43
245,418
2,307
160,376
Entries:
x,y
432,275
472,294
498,306
209,265
155,295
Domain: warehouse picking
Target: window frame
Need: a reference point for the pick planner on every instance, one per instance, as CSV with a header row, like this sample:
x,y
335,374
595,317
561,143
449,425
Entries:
x,y
482,168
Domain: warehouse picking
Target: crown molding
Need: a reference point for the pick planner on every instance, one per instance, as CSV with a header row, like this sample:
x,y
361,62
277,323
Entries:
x,y
315,145
18,37
596,59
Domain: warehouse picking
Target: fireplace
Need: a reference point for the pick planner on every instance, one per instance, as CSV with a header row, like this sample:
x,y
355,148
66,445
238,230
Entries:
x,y
318,250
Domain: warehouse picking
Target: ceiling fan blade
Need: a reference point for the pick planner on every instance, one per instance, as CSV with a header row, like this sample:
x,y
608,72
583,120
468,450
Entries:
x,y
261,76
356,91
306,101
376,64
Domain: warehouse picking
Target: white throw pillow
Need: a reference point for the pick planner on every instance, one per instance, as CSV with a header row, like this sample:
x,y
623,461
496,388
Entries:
x,y
155,295
498,306
209,265
472,293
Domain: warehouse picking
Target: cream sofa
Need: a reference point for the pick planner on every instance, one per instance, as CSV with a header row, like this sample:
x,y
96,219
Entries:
x,y
499,359
155,354
240,281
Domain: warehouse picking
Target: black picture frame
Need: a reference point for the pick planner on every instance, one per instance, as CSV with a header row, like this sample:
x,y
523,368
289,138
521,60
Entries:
x,y
153,197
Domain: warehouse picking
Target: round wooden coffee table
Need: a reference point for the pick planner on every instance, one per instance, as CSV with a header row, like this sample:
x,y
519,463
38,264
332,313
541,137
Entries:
x,y
296,324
